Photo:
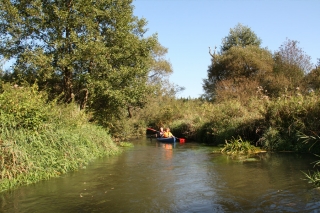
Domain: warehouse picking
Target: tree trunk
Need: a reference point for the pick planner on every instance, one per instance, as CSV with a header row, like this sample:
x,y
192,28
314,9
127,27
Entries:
x,y
68,93
129,112
85,99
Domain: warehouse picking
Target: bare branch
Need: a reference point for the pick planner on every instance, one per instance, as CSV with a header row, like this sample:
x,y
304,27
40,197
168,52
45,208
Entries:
x,y
214,52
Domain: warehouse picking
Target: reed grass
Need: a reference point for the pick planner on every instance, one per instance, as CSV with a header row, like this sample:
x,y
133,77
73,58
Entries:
x,y
237,146
313,177
41,140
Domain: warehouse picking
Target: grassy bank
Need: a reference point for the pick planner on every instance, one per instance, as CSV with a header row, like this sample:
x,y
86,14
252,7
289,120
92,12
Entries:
x,y
286,123
41,140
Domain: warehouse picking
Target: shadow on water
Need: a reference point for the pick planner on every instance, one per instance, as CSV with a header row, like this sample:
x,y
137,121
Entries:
x,y
188,177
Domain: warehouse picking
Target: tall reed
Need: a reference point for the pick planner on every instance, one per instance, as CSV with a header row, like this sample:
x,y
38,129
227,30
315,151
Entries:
x,y
40,140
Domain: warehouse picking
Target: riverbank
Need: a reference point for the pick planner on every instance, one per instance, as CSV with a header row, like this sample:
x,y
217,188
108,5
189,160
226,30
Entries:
x,y
41,140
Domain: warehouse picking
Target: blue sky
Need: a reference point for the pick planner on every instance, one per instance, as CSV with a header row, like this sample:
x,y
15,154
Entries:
x,y
189,27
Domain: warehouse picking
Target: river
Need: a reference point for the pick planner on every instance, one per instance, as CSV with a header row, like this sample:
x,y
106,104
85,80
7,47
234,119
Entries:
x,y
188,177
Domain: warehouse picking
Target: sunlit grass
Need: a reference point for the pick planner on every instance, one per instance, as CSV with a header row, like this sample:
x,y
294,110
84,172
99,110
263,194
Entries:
x,y
38,142
238,146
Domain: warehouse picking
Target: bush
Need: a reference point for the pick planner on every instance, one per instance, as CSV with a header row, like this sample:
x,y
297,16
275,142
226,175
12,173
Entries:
x,y
292,116
40,140
24,108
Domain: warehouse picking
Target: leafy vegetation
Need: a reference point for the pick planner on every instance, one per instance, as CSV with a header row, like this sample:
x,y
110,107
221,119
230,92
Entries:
x,y
85,76
92,53
238,146
40,140
240,36
313,177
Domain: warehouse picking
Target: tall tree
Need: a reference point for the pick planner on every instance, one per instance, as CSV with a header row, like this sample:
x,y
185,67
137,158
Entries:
x,y
93,52
239,59
292,62
235,69
241,36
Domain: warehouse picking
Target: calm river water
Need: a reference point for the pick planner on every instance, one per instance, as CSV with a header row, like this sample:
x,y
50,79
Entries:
x,y
189,177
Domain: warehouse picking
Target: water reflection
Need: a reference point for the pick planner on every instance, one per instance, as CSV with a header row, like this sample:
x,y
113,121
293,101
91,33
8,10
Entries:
x,y
159,177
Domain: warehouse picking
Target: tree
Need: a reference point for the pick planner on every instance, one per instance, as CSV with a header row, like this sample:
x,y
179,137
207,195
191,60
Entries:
x,y
235,69
292,63
312,79
239,59
159,73
241,36
160,67
92,52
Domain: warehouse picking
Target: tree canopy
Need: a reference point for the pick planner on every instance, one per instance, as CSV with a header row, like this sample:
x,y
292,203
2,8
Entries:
x,y
92,52
237,67
242,67
239,61
241,36
292,62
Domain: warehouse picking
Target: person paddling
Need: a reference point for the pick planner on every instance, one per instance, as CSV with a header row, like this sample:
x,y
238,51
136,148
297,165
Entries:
x,y
167,133
160,133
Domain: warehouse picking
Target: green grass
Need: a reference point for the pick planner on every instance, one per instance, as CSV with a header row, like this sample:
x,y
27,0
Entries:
x,y
313,177
238,147
41,140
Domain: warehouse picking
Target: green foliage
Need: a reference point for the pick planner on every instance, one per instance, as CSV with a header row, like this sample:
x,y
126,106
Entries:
x,y
292,116
312,138
312,79
231,118
274,124
40,140
127,128
240,70
241,59
20,111
271,139
240,36
238,146
160,67
313,177
291,64
202,121
242,66
93,53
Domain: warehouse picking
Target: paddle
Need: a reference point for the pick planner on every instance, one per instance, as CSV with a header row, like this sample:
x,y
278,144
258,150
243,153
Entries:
x,y
152,129
156,131
181,140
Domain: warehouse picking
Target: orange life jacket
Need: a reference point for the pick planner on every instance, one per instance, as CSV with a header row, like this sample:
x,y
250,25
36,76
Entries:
x,y
167,135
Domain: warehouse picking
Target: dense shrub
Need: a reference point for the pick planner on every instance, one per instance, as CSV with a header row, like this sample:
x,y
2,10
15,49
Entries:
x,y
24,108
40,140
291,116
